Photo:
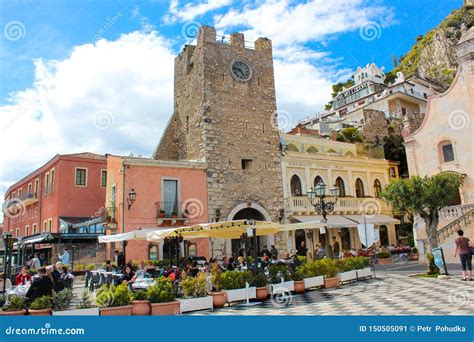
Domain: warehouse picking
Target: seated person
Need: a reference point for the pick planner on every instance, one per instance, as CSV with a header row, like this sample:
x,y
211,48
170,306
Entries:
x,y
66,277
41,286
23,277
194,270
128,276
108,266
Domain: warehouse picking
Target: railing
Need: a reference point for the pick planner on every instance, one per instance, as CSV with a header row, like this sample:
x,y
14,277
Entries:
x,y
110,214
169,209
449,214
462,222
348,205
27,196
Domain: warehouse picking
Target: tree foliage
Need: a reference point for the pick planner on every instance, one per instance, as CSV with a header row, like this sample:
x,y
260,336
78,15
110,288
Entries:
x,y
350,134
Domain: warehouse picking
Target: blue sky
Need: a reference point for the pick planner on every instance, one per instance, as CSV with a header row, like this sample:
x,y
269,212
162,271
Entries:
x,y
81,75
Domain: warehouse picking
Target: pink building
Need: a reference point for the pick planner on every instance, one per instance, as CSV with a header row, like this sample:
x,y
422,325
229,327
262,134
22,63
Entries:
x,y
154,194
59,205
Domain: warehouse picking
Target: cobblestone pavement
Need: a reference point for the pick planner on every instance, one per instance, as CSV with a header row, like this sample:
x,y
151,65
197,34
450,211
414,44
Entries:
x,y
388,294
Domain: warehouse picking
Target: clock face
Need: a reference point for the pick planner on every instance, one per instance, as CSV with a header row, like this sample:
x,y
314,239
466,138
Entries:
x,y
241,70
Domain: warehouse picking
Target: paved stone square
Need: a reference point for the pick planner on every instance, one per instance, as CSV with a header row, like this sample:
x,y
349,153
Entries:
x,y
388,294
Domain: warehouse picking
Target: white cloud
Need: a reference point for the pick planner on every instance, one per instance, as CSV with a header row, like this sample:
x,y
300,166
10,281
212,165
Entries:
x,y
111,96
190,11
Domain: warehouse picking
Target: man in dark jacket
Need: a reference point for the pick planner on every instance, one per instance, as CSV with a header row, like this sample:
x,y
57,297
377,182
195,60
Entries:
x,y
120,259
41,286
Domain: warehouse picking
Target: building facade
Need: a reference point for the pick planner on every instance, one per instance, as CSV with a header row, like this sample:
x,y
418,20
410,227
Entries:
x,y
359,176
225,115
59,205
445,142
167,194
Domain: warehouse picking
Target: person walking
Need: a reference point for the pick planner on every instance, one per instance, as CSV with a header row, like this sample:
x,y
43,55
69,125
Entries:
x,y
465,255
35,262
64,258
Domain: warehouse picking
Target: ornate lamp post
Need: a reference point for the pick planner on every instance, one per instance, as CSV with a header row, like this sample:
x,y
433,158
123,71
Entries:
x,y
8,240
317,197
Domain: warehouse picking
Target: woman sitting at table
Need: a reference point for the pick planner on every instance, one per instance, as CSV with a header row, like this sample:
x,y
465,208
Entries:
x,y
41,286
128,276
108,266
23,277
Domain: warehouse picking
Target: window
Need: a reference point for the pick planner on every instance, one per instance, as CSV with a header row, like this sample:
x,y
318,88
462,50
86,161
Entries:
x,y
36,188
317,180
152,251
340,184
45,225
50,225
27,230
35,228
331,150
113,196
312,149
377,188
51,181
17,232
170,197
295,185
103,178
292,148
81,177
447,152
30,187
19,192
46,183
359,186
246,164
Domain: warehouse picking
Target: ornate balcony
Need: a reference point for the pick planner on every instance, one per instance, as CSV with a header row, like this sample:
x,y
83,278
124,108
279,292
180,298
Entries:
x,y
170,212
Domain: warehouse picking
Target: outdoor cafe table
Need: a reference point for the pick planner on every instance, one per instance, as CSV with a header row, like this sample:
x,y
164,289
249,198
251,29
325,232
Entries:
x,y
19,290
142,283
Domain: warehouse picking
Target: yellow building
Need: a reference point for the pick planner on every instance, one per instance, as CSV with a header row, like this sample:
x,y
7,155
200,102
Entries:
x,y
359,176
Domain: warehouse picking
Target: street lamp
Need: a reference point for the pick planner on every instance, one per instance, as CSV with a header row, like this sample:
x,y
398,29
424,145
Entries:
x,y
8,241
132,197
322,206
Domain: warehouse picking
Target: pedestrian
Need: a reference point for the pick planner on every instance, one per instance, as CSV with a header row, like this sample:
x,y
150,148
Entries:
x,y
35,262
265,251
465,255
302,250
119,259
273,251
336,249
64,258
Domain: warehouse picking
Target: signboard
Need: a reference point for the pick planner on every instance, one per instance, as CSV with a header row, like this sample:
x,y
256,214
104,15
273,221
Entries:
x,y
366,234
322,230
439,260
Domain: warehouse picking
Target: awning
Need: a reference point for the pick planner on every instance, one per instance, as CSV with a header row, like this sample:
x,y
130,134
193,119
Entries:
x,y
376,219
343,221
137,234
43,237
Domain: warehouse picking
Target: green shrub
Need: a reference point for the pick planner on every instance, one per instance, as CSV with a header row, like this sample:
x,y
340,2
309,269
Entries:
x,y
62,299
231,280
42,303
383,255
352,263
162,291
121,295
139,295
32,272
329,267
279,271
90,267
414,250
310,269
216,274
15,303
194,287
85,301
260,280
298,274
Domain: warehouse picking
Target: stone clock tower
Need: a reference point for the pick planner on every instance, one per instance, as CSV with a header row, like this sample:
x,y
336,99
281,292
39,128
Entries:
x,y
225,114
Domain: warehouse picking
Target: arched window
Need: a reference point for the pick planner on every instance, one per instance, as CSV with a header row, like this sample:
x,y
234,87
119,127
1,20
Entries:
x,y
383,232
340,184
292,148
312,149
377,188
359,187
331,150
446,151
349,154
295,184
317,180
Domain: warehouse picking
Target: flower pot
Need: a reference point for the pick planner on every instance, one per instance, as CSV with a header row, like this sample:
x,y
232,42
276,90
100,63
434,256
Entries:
x,y
241,294
13,313
285,286
414,257
262,293
140,307
219,299
348,276
313,282
299,286
43,312
364,273
194,304
116,311
161,215
385,261
331,282
169,308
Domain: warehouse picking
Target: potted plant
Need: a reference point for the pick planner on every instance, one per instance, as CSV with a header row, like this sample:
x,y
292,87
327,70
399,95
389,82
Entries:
x,y
363,269
280,279
84,306
62,300
329,270
236,285
219,297
114,301
162,299
195,294
15,307
312,274
174,214
140,303
414,256
260,281
384,257
161,213
347,269
41,306
298,277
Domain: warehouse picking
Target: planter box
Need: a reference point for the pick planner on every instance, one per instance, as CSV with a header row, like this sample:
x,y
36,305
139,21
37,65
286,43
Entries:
x,y
313,282
13,313
116,311
78,312
195,304
348,276
364,273
285,286
385,261
170,308
241,294
331,282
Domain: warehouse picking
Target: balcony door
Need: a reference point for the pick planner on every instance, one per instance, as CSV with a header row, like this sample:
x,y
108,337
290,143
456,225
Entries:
x,y
170,196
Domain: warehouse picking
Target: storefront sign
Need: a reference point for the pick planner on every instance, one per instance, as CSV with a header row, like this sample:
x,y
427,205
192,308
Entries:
x,y
439,260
